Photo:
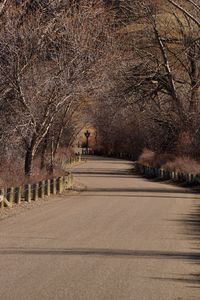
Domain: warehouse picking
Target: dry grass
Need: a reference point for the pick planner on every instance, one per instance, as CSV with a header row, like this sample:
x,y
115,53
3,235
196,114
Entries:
x,y
147,157
183,165
169,162
152,159
12,170
11,173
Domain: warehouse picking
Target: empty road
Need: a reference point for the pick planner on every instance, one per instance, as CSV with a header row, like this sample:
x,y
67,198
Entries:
x,y
117,237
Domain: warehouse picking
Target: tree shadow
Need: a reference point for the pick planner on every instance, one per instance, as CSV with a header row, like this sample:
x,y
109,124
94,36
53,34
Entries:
x,y
105,158
190,228
102,172
85,194
90,253
192,280
164,190
190,225
104,252
103,175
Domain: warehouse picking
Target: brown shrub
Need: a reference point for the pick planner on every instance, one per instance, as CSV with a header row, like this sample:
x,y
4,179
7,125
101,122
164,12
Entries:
x,y
147,158
12,169
11,173
152,159
169,162
183,165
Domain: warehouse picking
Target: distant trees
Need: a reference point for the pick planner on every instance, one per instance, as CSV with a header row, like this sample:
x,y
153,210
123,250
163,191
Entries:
x,y
157,76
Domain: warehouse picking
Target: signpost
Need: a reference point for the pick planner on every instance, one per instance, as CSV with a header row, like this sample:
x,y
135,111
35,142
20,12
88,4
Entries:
x,y
87,135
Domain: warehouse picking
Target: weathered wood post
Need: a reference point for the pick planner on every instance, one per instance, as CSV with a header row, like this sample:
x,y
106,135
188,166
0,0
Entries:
x,y
35,191
71,178
145,170
10,195
18,194
2,194
189,178
53,186
65,181
192,178
68,181
27,191
179,176
41,189
60,185
47,187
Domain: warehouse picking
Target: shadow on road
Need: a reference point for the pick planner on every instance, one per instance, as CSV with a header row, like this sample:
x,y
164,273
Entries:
x,y
192,281
103,172
141,190
121,253
191,223
85,194
190,228
107,159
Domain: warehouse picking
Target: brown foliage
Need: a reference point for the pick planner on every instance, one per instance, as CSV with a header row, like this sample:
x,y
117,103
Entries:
x,y
169,162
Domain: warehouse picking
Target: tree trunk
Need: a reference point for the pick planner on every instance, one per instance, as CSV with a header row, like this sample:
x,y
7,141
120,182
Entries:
x,y
194,76
57,144
28,162
28,166
52,157
43,154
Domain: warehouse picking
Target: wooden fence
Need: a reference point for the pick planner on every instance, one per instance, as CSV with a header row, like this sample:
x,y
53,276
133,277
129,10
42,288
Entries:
x,y
41,189
167,175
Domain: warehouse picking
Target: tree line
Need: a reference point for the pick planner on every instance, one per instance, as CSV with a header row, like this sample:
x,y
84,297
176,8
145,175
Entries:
x,y
154,91
49,55
130,68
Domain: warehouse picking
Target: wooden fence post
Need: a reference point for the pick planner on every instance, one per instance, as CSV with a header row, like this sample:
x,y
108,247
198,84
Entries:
x,y
35,191
41,189
2,194
53,186
192,178
68,181
28,193
60,185
18,194
65,182
47,187
10,195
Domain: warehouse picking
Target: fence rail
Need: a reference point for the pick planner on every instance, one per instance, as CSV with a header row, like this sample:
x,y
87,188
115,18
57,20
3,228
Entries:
x,y
167,175
41,189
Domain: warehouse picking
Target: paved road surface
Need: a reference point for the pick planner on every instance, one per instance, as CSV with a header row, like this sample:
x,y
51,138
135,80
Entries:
x,y
123,238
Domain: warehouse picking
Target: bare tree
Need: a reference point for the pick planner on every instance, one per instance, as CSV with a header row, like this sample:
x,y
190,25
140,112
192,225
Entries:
x,y
48,63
